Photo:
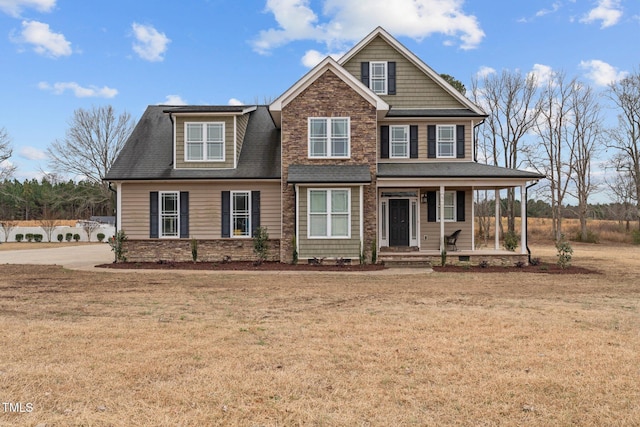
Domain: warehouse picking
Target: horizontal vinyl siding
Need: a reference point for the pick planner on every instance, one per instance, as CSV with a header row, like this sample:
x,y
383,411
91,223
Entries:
x,y
241,123
414,89
204,206
422,139
432,229
228,142
330,248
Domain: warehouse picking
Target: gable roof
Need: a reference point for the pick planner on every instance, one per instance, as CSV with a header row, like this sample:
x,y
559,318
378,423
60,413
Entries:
x,y
411,57
148,153
328,64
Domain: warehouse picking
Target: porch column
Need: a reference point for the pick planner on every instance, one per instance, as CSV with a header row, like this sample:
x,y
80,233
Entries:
x,y
442,246
497,244
523,220
473,218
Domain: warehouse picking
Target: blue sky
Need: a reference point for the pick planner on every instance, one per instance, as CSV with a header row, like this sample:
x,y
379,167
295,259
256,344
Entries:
x,y
60,55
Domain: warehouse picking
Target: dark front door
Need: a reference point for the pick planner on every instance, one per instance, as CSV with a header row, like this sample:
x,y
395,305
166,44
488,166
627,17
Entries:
x,y
398,222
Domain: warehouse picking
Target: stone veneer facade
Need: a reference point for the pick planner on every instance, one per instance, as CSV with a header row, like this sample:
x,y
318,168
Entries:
x,y
328,96
179,250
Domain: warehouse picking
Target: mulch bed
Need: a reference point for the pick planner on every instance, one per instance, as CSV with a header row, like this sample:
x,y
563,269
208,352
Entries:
x,y
241,266
541,268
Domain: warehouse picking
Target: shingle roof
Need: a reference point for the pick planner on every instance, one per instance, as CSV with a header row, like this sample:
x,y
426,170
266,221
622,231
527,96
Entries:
x,y
451,170
148,153
329,174
433,112
206,109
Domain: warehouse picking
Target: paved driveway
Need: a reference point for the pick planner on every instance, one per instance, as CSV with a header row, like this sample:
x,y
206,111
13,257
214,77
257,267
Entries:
x,y
82,257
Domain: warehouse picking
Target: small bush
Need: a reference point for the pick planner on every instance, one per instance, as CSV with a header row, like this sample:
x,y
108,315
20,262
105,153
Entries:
x,y
60,237
117,246
511,241
591,237
564,252
484,263
635,237
37,238
261,244
535,261
68,237
19,237
295,250
194,249
520,264
29,237
76,237
100,237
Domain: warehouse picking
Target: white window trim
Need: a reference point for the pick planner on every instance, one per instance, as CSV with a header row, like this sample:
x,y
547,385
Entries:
x,y
386,77
328,140
329,236
160,215
204,142
231,214
408,148
438,155
455,206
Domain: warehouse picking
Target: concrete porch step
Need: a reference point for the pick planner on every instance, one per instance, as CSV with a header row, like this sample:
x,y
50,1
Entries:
x,y
405,261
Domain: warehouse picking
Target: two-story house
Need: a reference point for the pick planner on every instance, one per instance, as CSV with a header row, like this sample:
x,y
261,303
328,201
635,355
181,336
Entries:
x,y
374,151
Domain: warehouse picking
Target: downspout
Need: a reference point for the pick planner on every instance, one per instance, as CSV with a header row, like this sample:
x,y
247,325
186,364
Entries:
x,y
173,138
475,140
115,192
526,200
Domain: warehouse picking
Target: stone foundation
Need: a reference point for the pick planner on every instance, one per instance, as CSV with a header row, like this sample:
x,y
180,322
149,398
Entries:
x,y
493,260
208,250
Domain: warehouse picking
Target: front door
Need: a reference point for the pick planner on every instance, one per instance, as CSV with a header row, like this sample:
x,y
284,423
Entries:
x,y
398,222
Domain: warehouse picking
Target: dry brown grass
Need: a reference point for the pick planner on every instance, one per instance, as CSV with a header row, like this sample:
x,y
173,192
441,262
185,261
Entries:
x,y
324,349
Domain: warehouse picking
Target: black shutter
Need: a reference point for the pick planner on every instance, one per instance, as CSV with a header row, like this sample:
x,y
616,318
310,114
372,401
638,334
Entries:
x,y
255,211
460,206
413,142
226,214
431,206
431,141
384,142
391,80
153,215
364,73
184,214
460,141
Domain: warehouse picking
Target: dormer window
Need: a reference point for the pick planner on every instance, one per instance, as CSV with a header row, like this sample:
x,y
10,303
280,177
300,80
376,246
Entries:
x,y
379,76
204,141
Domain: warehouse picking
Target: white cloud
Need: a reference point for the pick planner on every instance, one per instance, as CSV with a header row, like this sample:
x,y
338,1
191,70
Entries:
x,y
601,73
484,71
15,7
234,101
554,8
32,153
349,20
150,44
542,73
312,57
173,100
79,91
45,41
608,11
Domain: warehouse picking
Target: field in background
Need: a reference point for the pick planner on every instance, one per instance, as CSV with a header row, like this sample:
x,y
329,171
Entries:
x,y
324,349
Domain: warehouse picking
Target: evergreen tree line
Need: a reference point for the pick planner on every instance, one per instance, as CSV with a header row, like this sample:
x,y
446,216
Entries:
x,y
37,200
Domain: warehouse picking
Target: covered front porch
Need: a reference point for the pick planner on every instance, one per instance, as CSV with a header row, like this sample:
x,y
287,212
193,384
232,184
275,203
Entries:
x,y
429,217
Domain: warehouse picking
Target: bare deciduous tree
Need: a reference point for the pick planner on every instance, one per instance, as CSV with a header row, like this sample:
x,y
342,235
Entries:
x,y
6,169
622,188
586,136
91,144
625,138
509,99
7,226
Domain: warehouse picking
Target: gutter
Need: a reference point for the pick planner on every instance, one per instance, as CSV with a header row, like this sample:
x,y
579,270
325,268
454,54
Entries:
x,y
526,200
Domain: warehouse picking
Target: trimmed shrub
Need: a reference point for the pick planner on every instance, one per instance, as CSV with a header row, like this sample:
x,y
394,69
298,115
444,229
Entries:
x,y
19,237
68,237
37,238
564,252
511,241
29,237
60,237
100,237
76,237
261,244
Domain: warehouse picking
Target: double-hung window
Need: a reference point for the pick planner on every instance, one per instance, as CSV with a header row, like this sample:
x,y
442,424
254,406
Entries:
x,y
399,142
378,82
329,137
329,213
169,214
446,140
241,213
204,141
449,206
